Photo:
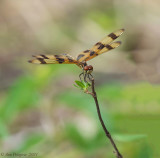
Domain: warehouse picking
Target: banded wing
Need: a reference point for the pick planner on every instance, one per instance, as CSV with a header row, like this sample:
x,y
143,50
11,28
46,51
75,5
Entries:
x,y
53,59
103,46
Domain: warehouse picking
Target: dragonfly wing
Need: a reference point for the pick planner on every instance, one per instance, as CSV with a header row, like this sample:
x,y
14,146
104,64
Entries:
x,y
107,48
53,59
104,44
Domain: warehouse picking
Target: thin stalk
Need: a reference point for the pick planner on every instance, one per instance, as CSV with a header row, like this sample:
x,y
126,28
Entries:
x,y
94,95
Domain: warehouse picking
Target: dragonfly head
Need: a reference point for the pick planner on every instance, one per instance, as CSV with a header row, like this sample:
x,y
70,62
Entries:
x,y
88,69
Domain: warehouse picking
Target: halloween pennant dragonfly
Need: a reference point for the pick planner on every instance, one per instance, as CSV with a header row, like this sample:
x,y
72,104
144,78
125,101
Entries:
x,y
102,46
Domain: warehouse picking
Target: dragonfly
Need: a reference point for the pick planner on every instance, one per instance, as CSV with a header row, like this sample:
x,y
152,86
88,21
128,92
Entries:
x,y
105,45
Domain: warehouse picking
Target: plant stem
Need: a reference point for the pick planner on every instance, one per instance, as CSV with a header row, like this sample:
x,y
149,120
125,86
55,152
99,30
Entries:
x,y
94,95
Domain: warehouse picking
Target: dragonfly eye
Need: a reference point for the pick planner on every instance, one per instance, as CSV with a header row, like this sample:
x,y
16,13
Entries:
x,y
86,68
90,67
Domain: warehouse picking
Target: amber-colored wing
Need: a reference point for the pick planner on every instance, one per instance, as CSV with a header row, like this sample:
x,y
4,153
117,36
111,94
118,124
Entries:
x,y
53,59
103,46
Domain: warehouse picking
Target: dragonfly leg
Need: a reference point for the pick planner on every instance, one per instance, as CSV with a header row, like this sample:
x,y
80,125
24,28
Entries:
x,y
81,75
90,77
85,76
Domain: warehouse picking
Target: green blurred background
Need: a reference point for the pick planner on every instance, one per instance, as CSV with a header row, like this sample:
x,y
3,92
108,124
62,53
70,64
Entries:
x,y
40,109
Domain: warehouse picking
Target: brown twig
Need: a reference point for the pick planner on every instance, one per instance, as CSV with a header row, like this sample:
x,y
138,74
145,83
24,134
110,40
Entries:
x,y
94,95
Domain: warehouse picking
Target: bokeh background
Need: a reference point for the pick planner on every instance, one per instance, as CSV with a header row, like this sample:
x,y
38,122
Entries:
x,y
40,109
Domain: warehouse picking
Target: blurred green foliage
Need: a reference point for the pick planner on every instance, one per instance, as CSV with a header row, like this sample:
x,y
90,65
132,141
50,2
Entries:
x,y
101,18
